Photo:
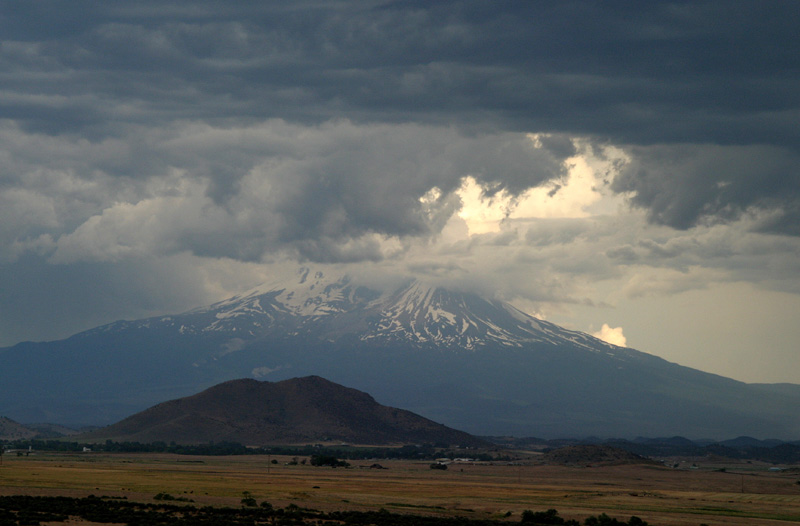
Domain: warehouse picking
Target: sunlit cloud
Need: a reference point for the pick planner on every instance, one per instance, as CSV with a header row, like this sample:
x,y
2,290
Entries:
x,y
611,335
582,192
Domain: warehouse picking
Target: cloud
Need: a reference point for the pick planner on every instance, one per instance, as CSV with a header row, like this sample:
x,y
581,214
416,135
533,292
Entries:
x,y
643,74
686,185
334,192
613,336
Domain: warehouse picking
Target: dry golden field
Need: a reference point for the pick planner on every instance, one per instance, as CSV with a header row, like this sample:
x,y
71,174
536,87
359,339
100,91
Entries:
x,y
742,494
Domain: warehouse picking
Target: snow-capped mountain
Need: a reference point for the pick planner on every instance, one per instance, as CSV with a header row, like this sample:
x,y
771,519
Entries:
x,y
469,362
415,314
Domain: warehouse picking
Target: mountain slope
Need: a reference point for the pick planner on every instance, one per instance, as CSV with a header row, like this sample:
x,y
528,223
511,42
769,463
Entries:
x,y
458,358
10,430
298,410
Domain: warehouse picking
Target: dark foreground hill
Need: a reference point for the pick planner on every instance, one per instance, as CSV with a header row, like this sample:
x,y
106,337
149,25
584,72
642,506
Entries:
x,y
593,454
298,410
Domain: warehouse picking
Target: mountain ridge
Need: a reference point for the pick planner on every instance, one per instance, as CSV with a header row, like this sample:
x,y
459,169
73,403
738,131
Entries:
x,y
473,363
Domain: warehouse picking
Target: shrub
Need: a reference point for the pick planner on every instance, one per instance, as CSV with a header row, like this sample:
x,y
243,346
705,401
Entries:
x,y
545,517
605,520
327,460
248,499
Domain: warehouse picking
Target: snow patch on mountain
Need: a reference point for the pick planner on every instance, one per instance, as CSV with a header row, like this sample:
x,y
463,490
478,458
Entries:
x,y
329,307
416,314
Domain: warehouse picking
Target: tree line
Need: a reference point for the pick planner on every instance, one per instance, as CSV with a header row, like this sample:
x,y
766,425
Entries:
x,y
407,452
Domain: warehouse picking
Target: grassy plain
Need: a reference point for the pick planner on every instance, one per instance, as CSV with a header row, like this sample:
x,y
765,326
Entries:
x,y
742,494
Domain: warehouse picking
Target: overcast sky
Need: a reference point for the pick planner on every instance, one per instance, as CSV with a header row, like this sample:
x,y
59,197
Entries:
x,y
628,169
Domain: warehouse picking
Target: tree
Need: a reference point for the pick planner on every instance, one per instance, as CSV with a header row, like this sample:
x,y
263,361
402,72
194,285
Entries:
x,y
327,460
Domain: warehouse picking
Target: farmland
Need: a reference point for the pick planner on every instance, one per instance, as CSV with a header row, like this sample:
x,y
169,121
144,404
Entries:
x,y
713,494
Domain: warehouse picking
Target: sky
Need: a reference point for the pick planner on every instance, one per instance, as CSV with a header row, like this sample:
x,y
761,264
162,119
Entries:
x,y
626,169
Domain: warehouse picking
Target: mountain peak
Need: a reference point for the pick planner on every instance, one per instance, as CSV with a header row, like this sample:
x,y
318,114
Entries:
x,y
416,313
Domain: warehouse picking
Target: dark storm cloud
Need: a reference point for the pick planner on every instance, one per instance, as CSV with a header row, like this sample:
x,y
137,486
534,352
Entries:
x,y
633,73
613,69
682,185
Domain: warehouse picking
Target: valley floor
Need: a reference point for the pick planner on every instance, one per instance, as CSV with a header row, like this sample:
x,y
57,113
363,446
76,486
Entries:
x,y
729,494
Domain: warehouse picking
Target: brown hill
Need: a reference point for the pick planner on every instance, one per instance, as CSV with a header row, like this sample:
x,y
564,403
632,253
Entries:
x,y
10,430
593,454
294,411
